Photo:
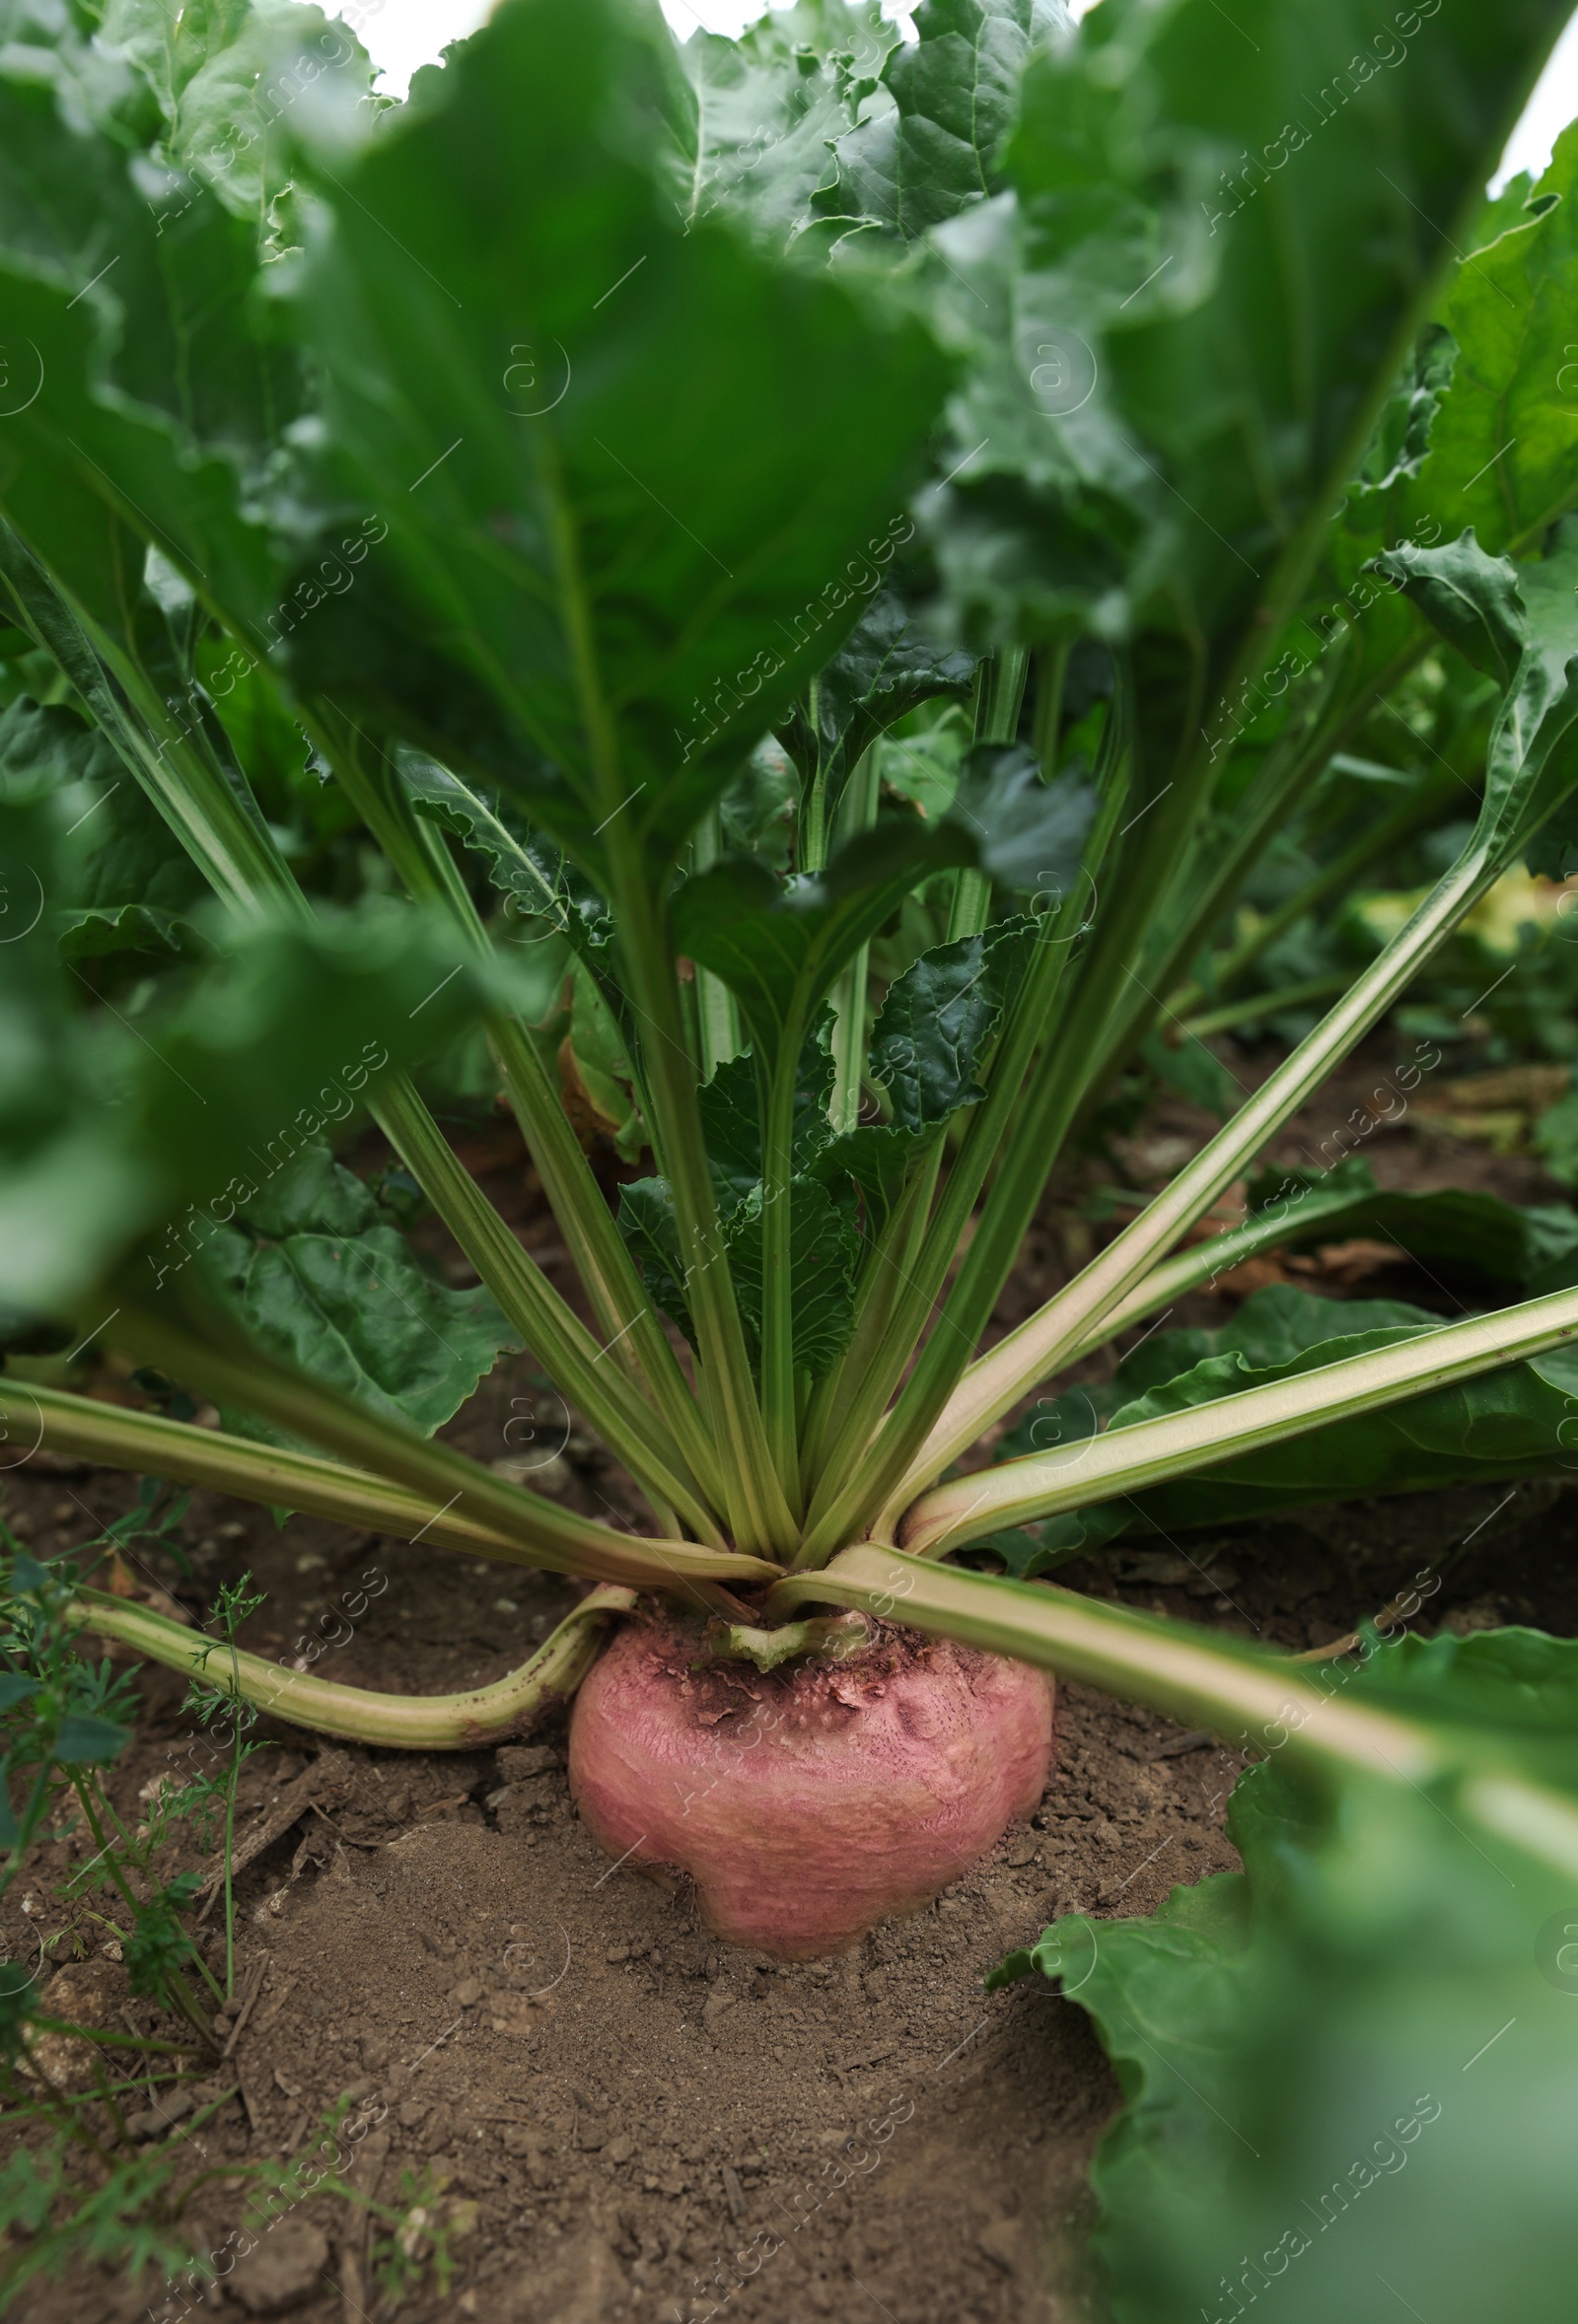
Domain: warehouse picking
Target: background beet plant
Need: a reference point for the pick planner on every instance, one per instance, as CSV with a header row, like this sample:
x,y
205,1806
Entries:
x,y
733,533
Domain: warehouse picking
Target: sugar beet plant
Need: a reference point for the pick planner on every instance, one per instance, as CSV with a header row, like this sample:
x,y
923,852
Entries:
x,y
690,527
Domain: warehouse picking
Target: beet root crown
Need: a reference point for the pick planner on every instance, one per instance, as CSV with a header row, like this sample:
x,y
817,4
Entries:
x,y
808,1803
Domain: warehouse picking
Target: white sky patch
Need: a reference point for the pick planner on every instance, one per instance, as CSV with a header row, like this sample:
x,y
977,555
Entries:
x,y
733,16
401,34
404,34
1553,105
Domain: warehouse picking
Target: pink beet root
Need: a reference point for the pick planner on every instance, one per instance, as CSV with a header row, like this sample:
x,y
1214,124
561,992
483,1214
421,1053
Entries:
x,y
809,1803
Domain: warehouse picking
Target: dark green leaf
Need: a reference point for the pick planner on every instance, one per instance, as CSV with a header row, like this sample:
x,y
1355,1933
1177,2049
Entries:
x,y
769,106
214,1094
1400,442
886,666
1293,2041
934,1029
1195,1072
228,77
321,1282
281,1040
931,150
828,1247
1028,832
757,813
710,579
601,1046
1069,1419
1502,445
1281,1323
1552,852
878,1158
731,1124
1555,1141
932,1037
112,855
314,1195
1486,609
1030,1550
1472,1233
824,1238
46,749
731,1116
126,881
647,1222
1501,1424
1471,599
544,891
170,54
1196,198
204,380
84,1741
779,945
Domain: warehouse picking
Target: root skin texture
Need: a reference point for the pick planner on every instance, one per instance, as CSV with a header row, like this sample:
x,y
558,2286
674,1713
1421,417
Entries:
x,y
810,1801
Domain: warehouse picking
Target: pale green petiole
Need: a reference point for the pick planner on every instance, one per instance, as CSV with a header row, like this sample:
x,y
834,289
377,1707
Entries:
x,y
42,1417
1192,1676
1252,1699
238,855
671,1455
1048,1339
717,1010
850,1002
468,1722
551,1329
1302,1213
1127,1460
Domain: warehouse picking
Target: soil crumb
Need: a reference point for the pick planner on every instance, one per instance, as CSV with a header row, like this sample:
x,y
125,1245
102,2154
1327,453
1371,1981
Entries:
x,y
544,2063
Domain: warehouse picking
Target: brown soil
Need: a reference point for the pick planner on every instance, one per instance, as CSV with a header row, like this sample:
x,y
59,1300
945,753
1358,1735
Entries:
x,y
619,2117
